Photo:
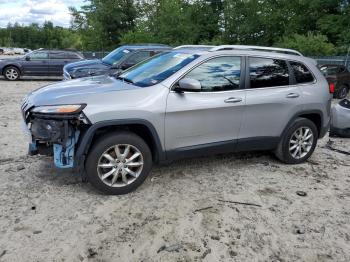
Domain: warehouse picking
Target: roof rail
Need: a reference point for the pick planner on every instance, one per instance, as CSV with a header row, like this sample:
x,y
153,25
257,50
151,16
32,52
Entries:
x,y
256,48
193,46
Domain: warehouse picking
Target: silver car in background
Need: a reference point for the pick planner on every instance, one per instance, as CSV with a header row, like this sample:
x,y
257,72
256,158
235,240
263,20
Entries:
x,y
181,103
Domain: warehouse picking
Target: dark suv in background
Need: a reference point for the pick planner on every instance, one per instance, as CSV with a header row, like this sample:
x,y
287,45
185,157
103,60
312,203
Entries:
x,y
339,77
38,63
118,60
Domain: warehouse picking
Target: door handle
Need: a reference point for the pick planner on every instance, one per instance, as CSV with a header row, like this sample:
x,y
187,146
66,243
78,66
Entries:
x,y
293,95
233,100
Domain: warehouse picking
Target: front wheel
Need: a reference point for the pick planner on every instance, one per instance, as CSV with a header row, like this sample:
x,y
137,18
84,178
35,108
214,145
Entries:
x,y
298,142
118,163
11,73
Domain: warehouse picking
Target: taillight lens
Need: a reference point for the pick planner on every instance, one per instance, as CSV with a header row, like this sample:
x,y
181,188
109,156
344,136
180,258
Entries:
x,y
331,88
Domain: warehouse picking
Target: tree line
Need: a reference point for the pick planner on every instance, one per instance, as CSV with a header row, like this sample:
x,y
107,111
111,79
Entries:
x,y
314,27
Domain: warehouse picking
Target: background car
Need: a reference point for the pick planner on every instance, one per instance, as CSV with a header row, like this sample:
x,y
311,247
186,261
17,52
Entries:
x,y
38,63
338,75
116,61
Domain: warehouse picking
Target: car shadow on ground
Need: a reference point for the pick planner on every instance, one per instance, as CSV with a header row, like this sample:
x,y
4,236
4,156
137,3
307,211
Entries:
x,y
50,174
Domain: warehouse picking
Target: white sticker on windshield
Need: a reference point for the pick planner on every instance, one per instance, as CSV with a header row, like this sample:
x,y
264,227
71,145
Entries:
x,y
126,51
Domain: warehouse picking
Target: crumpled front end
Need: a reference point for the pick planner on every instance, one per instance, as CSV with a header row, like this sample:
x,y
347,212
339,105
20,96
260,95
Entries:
x,y
54,133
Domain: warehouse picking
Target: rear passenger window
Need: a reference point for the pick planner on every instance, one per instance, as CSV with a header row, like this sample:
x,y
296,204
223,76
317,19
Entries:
x,y
266,72
301,73
72,56
57,55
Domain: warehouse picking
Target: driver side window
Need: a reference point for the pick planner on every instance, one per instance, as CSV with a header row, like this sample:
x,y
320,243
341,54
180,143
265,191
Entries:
x,y
39,55
218,74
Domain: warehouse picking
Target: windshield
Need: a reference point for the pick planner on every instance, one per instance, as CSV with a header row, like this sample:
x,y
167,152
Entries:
x,y
157,69
115,55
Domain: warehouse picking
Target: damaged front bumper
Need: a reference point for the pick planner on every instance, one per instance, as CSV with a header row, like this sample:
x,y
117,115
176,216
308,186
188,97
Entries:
x,y
54,135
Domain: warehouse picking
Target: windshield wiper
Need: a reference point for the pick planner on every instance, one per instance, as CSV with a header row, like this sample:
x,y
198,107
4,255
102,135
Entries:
x,y
125,79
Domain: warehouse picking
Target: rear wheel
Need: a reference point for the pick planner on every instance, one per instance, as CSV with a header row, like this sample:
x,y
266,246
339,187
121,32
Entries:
x,y
11,73
118,163
298,143
342,92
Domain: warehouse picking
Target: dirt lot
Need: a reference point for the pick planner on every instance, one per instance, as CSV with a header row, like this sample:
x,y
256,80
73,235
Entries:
x,y
49,215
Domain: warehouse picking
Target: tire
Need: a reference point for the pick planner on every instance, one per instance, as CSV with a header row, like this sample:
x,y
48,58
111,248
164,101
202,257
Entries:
x,y
285,151
124,182
342,92
12,73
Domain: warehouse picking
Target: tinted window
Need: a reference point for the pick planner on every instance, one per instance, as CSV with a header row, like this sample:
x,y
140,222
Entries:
x,y
72,56
138,57
157,69
218,74
115,55
301,73
57,55
39,55
266,72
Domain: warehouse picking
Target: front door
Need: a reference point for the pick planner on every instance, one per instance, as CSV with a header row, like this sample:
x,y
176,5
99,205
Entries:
x,y
209,118
36,64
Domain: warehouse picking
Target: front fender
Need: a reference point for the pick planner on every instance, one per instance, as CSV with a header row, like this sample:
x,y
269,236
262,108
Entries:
x,y
87,137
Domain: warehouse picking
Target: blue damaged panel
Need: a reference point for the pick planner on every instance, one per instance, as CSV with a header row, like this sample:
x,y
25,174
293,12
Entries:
x,y
66,159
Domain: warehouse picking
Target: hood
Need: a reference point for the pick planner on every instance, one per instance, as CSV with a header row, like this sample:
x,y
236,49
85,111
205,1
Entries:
x,y
86,68
12,59
79,91
96,63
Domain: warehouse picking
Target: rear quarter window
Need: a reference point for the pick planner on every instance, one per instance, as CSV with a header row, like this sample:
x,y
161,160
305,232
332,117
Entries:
x,y
301,73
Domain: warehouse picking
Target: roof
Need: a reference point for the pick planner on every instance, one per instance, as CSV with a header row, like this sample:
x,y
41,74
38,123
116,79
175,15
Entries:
x,y
250,49
145,46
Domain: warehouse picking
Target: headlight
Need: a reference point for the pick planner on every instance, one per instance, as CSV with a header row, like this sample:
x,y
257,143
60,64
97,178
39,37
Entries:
x,y
59,109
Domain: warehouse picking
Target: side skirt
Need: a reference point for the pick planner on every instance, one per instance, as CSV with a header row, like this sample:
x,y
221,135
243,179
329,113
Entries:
x,y
231,146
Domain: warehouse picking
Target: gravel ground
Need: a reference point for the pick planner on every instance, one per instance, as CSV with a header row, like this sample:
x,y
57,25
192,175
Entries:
x,y
183,212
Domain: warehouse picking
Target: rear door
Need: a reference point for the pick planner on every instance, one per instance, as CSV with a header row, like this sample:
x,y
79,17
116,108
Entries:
x,y
58,59
211,117
272,99
36,64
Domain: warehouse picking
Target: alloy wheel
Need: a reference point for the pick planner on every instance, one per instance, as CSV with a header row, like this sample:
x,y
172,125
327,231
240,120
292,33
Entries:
x,y
120,165
11,74
301,142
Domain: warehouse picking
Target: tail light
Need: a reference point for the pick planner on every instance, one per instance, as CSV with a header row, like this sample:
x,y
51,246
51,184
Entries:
x,y
331,88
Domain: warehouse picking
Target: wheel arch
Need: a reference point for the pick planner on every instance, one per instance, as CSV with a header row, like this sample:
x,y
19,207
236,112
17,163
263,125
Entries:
x,y
141,127
313,115
11,65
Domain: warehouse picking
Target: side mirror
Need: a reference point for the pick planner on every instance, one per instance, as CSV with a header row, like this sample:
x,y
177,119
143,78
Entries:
x,y
27,58
189,84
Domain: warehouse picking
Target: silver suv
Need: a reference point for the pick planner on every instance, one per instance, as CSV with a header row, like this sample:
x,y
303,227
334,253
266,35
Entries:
x,y
183,103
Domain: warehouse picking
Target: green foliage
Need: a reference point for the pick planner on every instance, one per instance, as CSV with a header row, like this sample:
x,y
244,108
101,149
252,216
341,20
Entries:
x,y
314,27
103,22
311,45
35,36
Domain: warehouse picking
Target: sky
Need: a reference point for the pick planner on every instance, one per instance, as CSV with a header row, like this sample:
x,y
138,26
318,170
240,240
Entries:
x,y
37,11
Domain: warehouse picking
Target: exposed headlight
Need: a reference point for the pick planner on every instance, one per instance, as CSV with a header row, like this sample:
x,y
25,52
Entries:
x,y
58,109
